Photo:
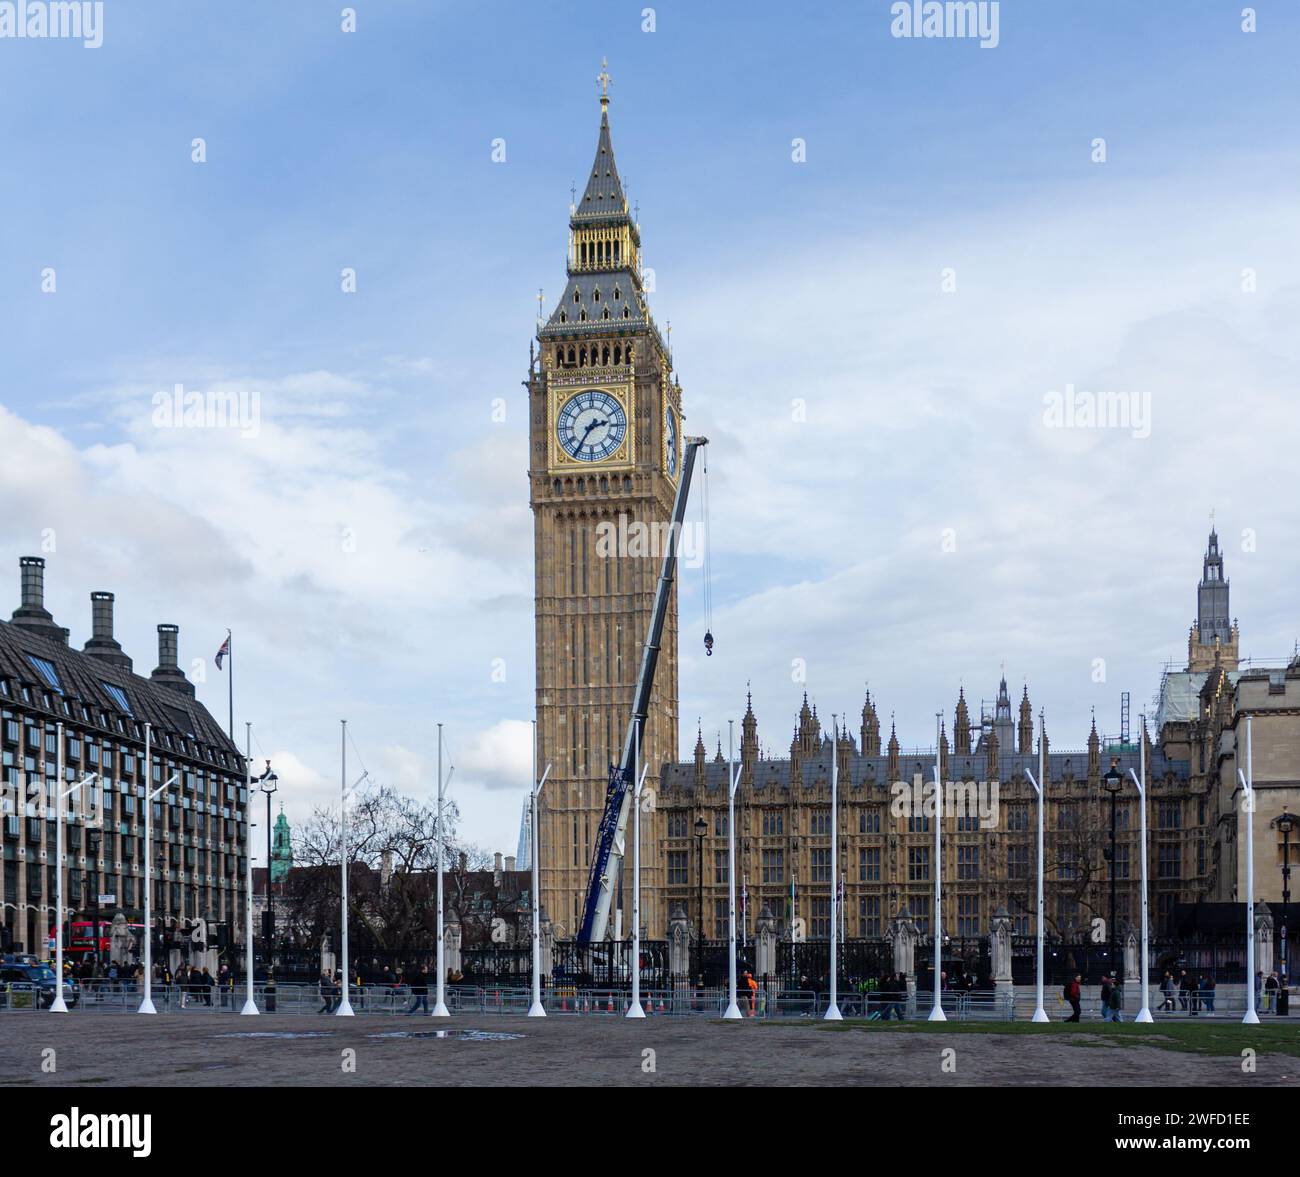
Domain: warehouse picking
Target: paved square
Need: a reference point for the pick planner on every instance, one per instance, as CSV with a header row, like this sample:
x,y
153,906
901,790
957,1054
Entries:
x,y
218,1050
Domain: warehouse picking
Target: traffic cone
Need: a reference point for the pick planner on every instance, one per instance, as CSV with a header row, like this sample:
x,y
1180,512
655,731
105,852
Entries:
x,y
609,1008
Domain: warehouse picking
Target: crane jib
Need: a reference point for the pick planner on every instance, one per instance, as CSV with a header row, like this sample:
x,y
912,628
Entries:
x,y
607,857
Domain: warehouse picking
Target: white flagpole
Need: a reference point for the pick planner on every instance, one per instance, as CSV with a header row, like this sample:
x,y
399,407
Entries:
x,y
733,1010
1144,1014
1040,1014
250,1006
147,1006
1248,810
345,1004
537,1009
634,1010
832,1013
936,1011
440,1006
59,1006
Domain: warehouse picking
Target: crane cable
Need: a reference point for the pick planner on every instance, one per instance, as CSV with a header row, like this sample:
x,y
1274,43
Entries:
x,y
707,566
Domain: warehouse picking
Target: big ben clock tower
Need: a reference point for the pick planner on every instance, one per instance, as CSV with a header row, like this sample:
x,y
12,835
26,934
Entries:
x,y
604,455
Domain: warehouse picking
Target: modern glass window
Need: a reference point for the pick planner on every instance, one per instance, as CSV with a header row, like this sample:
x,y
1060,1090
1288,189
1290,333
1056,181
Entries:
x,y
46,670
119,697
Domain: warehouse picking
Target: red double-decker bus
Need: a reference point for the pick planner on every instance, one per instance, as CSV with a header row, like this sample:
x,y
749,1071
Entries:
x,y
81,937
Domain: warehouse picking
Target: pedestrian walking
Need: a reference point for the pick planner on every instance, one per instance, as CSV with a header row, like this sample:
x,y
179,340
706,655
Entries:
x,y
1270,992
1184,990
1207,989
1105,997
1115,1002
1072,993
1194,996
326,994
1167,990
207,982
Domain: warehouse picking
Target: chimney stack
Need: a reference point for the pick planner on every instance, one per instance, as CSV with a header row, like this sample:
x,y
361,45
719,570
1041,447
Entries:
x,y
32,614
102,644
168,673
510,862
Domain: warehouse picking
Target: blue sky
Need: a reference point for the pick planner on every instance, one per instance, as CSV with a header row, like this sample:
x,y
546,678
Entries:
x,y
371,548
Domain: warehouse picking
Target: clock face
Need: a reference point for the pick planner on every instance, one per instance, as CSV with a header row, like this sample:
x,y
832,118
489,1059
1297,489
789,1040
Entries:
x,y
670,440
591,426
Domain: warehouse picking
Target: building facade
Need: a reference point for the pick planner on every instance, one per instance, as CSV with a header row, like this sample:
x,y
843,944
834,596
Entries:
x,y
885,845
104,706
605,446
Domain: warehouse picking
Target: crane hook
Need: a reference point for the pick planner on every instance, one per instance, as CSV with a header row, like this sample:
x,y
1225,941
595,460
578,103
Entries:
x,y
708,643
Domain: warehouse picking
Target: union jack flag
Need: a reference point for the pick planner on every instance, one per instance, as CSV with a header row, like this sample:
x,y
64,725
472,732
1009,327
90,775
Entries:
x,y
223,652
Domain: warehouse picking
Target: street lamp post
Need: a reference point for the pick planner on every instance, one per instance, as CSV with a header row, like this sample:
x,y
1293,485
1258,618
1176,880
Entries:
x,y
537,1009
1285,822
440,1006
733,1010
701,829
1040,1014
250,1006
1143,1014
634,1010
936,1010
269,783
1113,781
146,1005
345,1003
1248,813
833,1009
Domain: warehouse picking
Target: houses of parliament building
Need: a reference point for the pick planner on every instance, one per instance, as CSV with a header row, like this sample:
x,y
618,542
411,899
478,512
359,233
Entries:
x,y
606,410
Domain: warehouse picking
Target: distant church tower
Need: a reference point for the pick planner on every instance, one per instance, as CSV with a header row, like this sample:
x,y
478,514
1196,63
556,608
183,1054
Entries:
x,y
281,849
1213,628
604,443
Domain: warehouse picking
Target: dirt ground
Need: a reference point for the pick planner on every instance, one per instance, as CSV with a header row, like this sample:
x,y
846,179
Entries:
x,y
220,1050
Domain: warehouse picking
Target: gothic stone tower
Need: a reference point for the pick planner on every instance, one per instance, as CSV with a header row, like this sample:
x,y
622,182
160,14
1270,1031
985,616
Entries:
x,y
604,458
1214,635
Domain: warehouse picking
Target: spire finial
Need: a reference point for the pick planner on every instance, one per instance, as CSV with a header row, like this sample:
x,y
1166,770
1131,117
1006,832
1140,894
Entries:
x,y
603,79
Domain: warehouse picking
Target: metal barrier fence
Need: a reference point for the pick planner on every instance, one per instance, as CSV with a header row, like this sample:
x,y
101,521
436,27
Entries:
x,y
1229,1002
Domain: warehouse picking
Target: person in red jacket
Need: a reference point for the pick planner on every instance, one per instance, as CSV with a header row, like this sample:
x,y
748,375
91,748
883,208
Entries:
x,y
1072,992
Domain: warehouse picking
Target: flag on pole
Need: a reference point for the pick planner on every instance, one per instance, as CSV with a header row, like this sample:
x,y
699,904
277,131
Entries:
x,y
223,654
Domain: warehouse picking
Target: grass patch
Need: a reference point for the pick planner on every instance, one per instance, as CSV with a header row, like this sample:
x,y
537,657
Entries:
x,y
1223,1038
